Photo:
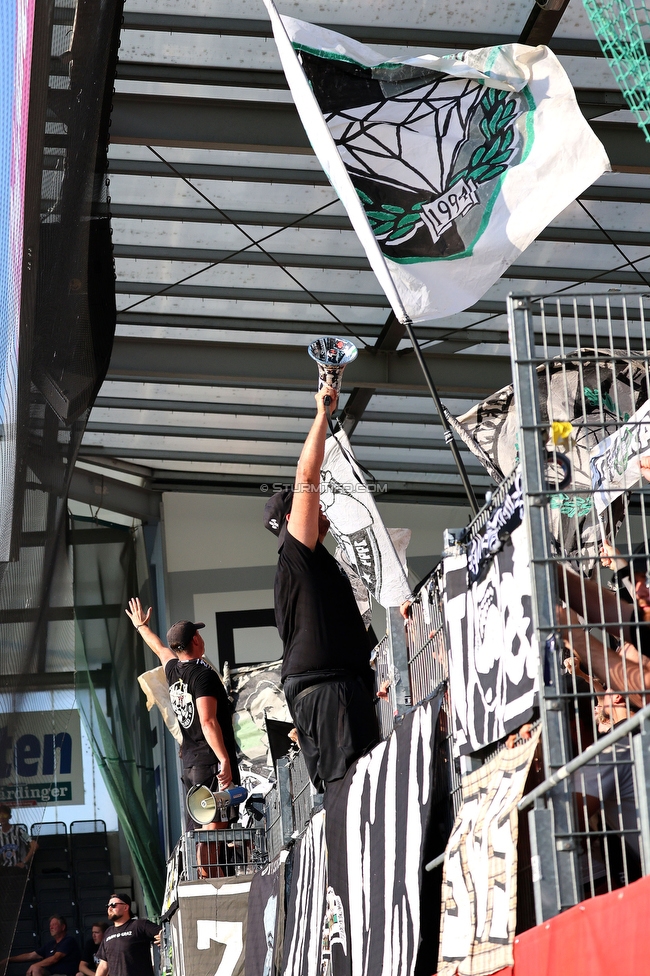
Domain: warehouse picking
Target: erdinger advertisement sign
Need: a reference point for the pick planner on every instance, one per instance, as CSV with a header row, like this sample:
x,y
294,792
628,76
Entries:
x,y
40,759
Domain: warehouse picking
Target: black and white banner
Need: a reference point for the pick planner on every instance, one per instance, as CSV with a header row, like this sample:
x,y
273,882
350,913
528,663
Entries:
x,y
596,397
479,890
303,933
210,927
266,919
357,526
493,650
376,820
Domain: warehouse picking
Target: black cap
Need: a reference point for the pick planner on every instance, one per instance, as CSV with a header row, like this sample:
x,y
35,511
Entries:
x,y
180,634
125,898
275,513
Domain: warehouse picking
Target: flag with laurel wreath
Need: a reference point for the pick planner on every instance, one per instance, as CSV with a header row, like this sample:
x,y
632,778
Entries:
x,y
448,167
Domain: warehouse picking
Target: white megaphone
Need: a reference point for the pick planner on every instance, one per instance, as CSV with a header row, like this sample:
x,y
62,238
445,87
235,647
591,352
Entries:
x,y
332,356
204,806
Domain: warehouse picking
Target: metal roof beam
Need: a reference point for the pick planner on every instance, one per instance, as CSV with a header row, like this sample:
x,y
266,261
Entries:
x,y
265,460
367,34
338,262
252,256
285,367
235,435
254,410
205,171
294,295
430,492
542,22
115,495
219,323
515,272
166,120
251,218
276,127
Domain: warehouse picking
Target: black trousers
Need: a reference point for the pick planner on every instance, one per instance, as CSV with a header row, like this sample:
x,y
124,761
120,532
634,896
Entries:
x,y
336,723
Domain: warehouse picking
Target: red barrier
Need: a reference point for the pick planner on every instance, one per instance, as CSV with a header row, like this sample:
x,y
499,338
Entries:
x,y
604,936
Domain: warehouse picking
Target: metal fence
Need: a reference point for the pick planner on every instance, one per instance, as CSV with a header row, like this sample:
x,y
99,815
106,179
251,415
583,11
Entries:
x,y
222,853
582,393
290,803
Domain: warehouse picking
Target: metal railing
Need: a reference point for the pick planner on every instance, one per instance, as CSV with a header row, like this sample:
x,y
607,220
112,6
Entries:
x,y
290,803
581,375
222,853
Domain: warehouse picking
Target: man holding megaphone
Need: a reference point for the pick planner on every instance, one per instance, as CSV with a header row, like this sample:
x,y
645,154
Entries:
x,y
326,673
201,705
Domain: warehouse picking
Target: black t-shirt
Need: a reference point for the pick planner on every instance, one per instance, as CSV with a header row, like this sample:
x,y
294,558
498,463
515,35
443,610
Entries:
x,y
89,955
316,613
67,966
189,680
126,948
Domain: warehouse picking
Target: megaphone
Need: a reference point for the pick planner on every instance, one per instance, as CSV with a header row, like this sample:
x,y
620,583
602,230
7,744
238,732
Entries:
x,y
204,806
332,356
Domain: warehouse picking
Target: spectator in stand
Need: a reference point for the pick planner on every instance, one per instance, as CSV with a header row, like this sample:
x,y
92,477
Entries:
x,y
60,954
624,615
326,673
126,946
16,849
89,958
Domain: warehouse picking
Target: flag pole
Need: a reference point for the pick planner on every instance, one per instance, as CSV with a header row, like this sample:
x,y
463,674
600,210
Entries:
x,y
449,436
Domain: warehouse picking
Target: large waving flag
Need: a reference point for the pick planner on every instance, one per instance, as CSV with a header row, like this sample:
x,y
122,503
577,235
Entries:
x,y
448,167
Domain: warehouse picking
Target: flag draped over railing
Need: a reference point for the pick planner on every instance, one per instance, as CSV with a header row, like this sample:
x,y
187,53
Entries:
x,y
448,167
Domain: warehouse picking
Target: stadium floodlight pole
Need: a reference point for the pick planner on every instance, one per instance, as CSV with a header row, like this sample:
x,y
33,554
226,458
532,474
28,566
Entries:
x,y
449,436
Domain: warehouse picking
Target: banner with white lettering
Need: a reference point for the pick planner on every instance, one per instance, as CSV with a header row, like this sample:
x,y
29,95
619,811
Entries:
x,y
41,762
493,649
209,928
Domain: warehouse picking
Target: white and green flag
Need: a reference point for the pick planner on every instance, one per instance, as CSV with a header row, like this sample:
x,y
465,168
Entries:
x,y
448,167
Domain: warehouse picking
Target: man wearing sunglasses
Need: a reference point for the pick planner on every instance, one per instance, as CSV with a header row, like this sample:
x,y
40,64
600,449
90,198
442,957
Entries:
x,y
126,947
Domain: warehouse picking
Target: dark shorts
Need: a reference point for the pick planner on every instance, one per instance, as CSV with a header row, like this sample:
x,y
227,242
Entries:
x,y
204,776
336,723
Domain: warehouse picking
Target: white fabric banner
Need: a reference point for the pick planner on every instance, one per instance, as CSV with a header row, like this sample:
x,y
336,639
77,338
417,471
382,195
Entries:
x,y
615,461
357,526
448,167
479,889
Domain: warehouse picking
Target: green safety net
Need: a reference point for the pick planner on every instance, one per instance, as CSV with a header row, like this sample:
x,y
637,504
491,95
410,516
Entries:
x,y
109,657
622,27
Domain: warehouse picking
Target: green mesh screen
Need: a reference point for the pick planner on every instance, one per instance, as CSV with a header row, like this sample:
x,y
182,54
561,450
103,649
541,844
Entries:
x,y
113,710
622,27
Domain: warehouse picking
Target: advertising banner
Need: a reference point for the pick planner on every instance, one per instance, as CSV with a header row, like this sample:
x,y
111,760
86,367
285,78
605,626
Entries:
x,y
41,762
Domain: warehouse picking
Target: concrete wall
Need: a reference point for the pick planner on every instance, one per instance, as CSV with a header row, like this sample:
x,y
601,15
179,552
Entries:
x,y
220,557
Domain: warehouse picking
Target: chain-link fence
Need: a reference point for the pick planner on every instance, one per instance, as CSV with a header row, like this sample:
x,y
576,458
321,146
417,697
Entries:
x,y
582,394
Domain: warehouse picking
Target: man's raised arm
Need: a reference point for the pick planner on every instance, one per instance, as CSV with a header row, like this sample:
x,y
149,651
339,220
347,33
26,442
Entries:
x,y
303,521
140,621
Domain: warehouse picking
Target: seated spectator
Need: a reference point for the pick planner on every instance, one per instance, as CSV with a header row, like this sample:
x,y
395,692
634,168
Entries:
x,y
16,849
59,955
89,957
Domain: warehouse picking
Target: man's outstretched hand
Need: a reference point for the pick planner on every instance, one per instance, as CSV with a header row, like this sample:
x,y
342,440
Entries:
x,y
136,614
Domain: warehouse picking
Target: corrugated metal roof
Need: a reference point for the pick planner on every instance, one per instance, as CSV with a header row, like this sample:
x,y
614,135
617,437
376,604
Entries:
x,y
210,386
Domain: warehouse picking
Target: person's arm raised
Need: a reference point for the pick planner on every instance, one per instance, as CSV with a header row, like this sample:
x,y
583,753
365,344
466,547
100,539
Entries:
x,y
140,621
303,520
